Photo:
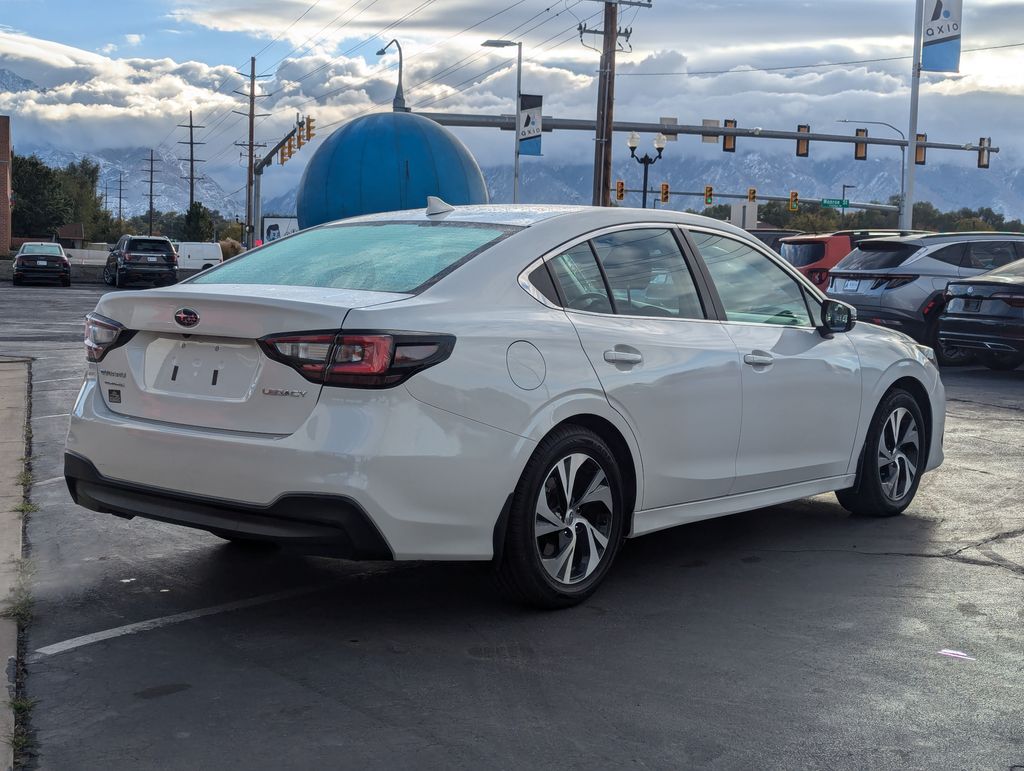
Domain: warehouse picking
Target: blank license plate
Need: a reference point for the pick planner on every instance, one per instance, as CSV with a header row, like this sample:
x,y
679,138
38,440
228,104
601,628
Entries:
x,y
151,259
972,305
41,263
851,285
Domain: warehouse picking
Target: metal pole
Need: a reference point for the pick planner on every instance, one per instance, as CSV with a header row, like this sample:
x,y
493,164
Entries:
x,y
120,195
647,165
907,204
257,204
519,119
605,112
252,149
150,192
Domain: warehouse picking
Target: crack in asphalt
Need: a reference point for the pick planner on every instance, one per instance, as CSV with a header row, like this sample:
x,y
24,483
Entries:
x,y
994,560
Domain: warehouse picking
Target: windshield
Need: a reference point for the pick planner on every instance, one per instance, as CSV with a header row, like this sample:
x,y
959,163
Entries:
x,y
384,257
876,256
150,246
52,250
802,255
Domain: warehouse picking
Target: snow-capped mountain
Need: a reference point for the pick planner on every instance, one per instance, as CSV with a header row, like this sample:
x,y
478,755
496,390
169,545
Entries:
x,y
12,83
131,164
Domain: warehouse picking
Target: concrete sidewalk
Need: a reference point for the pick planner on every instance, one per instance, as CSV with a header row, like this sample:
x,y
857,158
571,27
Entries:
x,y
13,414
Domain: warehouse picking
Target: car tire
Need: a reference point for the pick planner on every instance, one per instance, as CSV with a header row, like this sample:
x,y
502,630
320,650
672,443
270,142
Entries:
x,y
65,282
118,279
563,563
1001,362
892,461
17,281
108,279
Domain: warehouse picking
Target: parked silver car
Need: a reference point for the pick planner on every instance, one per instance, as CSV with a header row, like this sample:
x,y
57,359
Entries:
x,y
900,282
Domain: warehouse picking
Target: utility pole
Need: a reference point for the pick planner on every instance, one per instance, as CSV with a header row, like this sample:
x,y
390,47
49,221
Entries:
x,y
907,212
250,148
120,196
192,160
152,172
610,35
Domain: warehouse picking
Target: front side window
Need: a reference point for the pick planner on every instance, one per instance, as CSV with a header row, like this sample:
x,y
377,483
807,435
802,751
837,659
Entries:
x,y
752,288
384,257
648,275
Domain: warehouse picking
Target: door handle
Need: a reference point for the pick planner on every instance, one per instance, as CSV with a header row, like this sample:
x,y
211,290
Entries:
x,y
758,360
622,357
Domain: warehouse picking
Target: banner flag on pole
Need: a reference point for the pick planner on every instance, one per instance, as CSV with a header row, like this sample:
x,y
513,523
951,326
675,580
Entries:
x,y
941,51
529,126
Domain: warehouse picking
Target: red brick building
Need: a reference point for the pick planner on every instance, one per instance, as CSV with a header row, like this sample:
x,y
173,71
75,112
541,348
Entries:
x,y
5,184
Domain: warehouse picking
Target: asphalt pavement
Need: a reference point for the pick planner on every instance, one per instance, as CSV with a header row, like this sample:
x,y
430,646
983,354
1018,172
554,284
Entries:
x,y
790,637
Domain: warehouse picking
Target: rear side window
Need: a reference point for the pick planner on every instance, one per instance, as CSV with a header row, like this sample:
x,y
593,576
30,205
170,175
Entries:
x,y
802,255
876,256
149,246
382,257
951,255
986,255
580,280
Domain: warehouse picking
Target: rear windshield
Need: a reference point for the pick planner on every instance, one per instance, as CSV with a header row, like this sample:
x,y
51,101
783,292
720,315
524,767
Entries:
x,y
1015,269
53,250
802,255
876,256
150,246
379,257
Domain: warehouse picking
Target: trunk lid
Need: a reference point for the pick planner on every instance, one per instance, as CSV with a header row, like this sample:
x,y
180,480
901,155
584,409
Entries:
x,y
213,374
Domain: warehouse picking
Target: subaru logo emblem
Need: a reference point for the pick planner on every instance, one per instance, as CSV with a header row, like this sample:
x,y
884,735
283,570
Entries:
x,y
186,317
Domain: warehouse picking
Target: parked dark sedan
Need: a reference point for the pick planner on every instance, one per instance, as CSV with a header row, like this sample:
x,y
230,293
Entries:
x,y
986,315
41,261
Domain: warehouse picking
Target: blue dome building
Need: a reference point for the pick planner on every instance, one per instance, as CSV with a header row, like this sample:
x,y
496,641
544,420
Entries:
x,y
386,162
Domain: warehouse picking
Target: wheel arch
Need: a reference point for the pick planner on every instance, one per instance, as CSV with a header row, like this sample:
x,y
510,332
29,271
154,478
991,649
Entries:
x,y
916,388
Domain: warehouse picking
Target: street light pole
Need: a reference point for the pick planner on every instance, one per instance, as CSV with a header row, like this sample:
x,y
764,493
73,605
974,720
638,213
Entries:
x,y
519,101
646,161
903,163
843,197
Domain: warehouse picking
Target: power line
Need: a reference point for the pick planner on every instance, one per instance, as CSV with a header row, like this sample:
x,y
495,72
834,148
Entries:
x,y
806,66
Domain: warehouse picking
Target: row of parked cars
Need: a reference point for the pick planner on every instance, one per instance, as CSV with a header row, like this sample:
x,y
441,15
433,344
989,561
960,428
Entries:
x,y
961,293
133,259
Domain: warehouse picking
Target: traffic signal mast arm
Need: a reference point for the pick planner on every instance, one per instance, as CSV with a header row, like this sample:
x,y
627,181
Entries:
x,y
300,134
508,122
761,198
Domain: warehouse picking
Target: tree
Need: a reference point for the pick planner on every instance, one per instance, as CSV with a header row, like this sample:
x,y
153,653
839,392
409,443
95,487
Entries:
x,y
198,224
80,181
40,203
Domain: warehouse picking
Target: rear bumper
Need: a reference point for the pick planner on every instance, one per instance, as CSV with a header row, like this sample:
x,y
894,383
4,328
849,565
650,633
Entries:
x,y
313,524
148,272
431,483
35,273
996,335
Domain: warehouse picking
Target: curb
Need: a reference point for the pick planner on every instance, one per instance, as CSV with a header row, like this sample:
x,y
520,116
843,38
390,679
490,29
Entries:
x,y
14,375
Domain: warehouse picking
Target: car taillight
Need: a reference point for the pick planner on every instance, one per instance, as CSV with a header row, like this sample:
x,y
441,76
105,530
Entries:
x,y
1010,298
818,276
358,359
898,281
102,335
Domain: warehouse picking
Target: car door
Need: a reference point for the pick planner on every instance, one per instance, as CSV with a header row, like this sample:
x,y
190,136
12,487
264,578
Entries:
x,y
670,371
801,391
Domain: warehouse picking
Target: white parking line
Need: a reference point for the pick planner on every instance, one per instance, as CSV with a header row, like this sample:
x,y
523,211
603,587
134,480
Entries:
x,y
58,415
177,618
48,481
56,380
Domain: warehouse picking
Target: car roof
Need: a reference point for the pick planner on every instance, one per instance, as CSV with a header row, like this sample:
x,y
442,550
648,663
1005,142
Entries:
x,y
40,243
951,238
864,233
520,215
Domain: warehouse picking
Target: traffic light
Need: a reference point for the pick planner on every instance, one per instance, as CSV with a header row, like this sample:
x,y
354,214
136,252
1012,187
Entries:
x,y
620,190
794,201
664,192
983,152
751,194
300,138
860,149
281,157
310,125
803,146
729,140
709,195
921,151
289,148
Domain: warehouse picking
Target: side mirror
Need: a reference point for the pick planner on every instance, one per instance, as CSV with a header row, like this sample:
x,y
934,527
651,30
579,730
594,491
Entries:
x,y
110,248
837,317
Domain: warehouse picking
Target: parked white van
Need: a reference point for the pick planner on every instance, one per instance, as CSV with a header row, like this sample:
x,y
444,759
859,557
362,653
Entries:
x,y
197,255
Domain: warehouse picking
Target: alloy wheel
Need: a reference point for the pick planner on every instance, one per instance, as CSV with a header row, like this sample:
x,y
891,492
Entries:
x,y
899,453
574,518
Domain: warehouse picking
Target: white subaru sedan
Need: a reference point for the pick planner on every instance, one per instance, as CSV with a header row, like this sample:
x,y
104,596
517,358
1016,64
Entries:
x,y
521,384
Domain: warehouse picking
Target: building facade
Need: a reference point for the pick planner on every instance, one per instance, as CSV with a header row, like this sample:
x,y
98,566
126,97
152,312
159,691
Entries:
x,y
5,184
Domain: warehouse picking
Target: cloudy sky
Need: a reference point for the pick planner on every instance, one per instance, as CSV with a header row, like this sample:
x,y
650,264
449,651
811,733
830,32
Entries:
x,y
115,74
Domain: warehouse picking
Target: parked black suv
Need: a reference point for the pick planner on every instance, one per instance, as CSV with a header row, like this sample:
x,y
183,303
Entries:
x,y
141,258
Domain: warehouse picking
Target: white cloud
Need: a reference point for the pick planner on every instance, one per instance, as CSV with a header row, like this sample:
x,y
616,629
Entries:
x,y
109,48
133,39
